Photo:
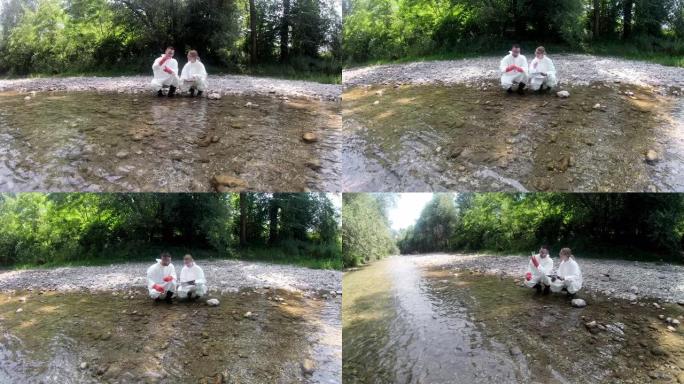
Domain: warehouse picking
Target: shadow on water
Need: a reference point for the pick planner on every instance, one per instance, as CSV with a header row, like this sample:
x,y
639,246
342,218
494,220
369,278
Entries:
x,y
134,340
418,138
118,142
449,326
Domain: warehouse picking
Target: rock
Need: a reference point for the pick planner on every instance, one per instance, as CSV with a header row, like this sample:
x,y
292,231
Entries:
x,y
247,315
656,305
308,366
214,96
213,302
634,289
376,102
20,310
578,303
591,324
652,156
215,139
223,183
631,297
671,328
658,351
675,322
515,351
101,370
83,365
176,155
122,154
314,164
563,94
680,302
310,137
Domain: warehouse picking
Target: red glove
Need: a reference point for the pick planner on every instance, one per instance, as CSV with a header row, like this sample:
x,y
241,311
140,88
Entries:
x,y
535,262
168,278
519,69
510,68
158,288
528,276
163,60
168,70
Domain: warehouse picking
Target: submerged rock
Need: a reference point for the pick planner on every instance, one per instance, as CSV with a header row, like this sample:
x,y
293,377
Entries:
x,y
308,366
652,156
310,137
212,302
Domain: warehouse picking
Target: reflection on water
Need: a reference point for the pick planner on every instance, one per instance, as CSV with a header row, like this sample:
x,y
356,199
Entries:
x,y
425,138
403,323
104,142
135,340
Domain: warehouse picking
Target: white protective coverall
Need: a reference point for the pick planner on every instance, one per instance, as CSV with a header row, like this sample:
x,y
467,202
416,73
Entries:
x,y
539,273
513,78
194,75
162,79
572,275
189,274
537,67
156,274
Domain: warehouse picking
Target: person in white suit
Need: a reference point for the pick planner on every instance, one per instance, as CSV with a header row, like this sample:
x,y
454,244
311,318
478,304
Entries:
x,y
193,75
542,72
165,70
161,279
193,284
538,269
513,70
569,275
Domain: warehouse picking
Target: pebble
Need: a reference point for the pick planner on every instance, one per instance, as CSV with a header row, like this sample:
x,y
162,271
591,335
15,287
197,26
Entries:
x,y
212,302
83,365
578,303
20,310
224,183
122,154
563,94
652,156
633,289
308,366
27,98
310,137
214,96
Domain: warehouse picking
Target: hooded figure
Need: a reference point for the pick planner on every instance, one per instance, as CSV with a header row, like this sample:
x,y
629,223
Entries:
x,y
165,69
161,279
542,71
513,70
192,282
569,276
194,75
538,268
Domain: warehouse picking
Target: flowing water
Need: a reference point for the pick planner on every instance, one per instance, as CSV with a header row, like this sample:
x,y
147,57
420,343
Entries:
x,y
85,141
126,340
432,137
403,323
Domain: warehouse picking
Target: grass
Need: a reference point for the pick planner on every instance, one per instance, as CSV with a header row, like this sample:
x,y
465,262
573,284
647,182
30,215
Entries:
x,y
140,254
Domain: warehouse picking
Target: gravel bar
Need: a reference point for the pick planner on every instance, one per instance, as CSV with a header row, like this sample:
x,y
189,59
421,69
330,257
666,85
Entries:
x,y
222,276
572,69
613,278
223,84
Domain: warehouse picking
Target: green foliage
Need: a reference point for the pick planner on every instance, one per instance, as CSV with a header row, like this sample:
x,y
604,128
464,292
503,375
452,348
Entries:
x,y
380,30
366,234
56,229
643,225
79,36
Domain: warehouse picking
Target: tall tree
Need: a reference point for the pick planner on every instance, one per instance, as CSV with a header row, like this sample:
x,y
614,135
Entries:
x,y
243,219
285,32
253,32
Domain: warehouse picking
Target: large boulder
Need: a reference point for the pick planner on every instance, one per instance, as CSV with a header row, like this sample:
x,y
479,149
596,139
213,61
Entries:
x,y
212,302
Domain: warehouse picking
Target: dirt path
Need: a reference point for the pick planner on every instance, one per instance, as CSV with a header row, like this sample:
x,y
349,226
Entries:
x,y
224,84
572,69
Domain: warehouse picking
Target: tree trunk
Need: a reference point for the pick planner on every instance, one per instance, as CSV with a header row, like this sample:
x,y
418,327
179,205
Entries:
x,y
285,32
243,219
597,19
273,221
627,18
253,32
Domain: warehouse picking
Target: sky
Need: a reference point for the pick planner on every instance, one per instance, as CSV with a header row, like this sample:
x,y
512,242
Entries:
x,y
408,208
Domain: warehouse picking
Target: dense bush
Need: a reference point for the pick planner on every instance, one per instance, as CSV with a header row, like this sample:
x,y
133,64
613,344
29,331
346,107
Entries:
x,y
366,234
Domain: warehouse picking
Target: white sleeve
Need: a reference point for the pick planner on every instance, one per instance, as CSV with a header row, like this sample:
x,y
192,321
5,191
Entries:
x,y
174,67
155,65
184,76
503,65
532,69
150,281
203,75
552,68
525,66
200,276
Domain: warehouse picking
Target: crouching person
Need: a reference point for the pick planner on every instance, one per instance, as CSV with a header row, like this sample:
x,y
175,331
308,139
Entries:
x,y
193,75
538,269
165,70
569,276
542,72
193,285
161,279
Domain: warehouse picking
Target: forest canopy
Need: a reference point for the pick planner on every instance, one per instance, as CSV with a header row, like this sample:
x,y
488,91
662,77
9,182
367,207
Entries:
x,y
637,226
73,36
366,234
396,29
63,228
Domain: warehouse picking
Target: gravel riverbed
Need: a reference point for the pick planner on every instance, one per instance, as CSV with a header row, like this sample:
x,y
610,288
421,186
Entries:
x,y
614,278
222,276
570,68
223,84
